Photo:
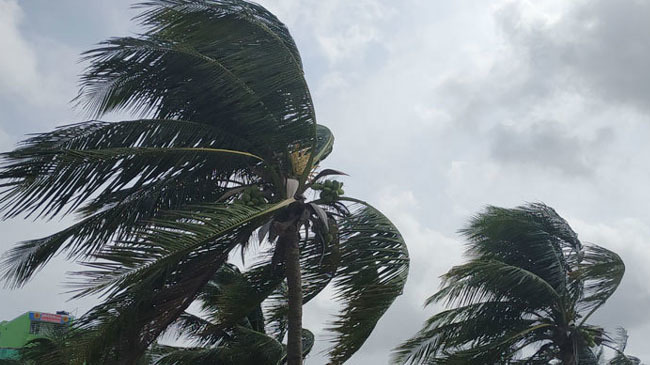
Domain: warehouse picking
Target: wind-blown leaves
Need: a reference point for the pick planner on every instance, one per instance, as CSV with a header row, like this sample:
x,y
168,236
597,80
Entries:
x,y
372,273
64,168
618,344
149,283
233,49
184,234
242,346
522,297
112,168
600,271
244,342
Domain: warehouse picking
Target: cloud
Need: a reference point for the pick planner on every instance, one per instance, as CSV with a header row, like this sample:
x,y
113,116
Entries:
x,y
438,108
599,48
19,74
549,146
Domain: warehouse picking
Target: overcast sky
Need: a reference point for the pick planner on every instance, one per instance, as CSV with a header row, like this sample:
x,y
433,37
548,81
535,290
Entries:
x,y
438,107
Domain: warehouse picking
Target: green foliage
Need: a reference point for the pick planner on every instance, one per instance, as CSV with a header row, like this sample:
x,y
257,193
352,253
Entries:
x,y
524,295
225,146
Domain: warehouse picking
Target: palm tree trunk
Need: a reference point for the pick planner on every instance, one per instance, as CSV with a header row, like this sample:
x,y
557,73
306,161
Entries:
x,y
567,353
290,241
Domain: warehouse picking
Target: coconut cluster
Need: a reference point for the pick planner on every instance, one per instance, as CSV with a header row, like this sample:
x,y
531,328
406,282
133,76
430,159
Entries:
x,y
252,196
330,190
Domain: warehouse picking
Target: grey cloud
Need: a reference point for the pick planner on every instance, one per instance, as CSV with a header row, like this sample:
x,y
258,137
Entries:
x,y
549,145
599,48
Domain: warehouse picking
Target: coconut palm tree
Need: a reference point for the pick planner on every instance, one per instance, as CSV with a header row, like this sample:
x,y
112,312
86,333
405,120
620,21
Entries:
x,y
223,155
525,295
246,342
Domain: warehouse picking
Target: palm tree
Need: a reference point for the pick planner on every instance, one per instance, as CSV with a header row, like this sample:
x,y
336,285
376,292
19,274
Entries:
x,y
223,155
246,342
524,296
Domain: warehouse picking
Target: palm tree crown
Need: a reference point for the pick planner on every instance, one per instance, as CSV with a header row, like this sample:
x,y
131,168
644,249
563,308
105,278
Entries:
x,y
222,156
524,295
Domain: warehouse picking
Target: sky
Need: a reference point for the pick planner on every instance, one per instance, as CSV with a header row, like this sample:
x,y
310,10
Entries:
x,y
439,108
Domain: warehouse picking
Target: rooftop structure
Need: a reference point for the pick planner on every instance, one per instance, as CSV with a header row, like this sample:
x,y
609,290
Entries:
x,y
19,331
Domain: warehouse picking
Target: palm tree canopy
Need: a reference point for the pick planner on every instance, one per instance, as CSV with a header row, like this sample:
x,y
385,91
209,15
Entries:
x,y
528,287
225,145
618,343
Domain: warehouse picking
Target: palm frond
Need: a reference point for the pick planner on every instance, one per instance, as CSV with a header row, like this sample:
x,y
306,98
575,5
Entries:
x,y
148,284
600,273
533,237
183,234
111,216
493,280
240,296
197,330
192,51
49,180
242,346
128,322
372,273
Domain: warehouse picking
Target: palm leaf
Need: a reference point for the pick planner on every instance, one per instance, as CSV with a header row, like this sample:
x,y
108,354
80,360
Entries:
x,y
481,322
233,49
185,233
481,280
532,237
242,346
372,273
600,273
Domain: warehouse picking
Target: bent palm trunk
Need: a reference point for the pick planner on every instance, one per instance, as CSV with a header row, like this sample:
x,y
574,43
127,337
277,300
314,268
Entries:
x,y
294,341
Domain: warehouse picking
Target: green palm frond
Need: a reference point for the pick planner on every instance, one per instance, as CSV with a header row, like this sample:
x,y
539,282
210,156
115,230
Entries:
x,y
242,295
533,237
526,287
372,272
215,333
233,49
50,350
197,330
149,283
52,170
481,280
242,346
618,343
308,340
129,321
116,216
600,272
52,180
483,322
184,234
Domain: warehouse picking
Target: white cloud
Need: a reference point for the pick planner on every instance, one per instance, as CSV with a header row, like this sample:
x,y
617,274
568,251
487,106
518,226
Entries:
x,y
18,64
35,71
